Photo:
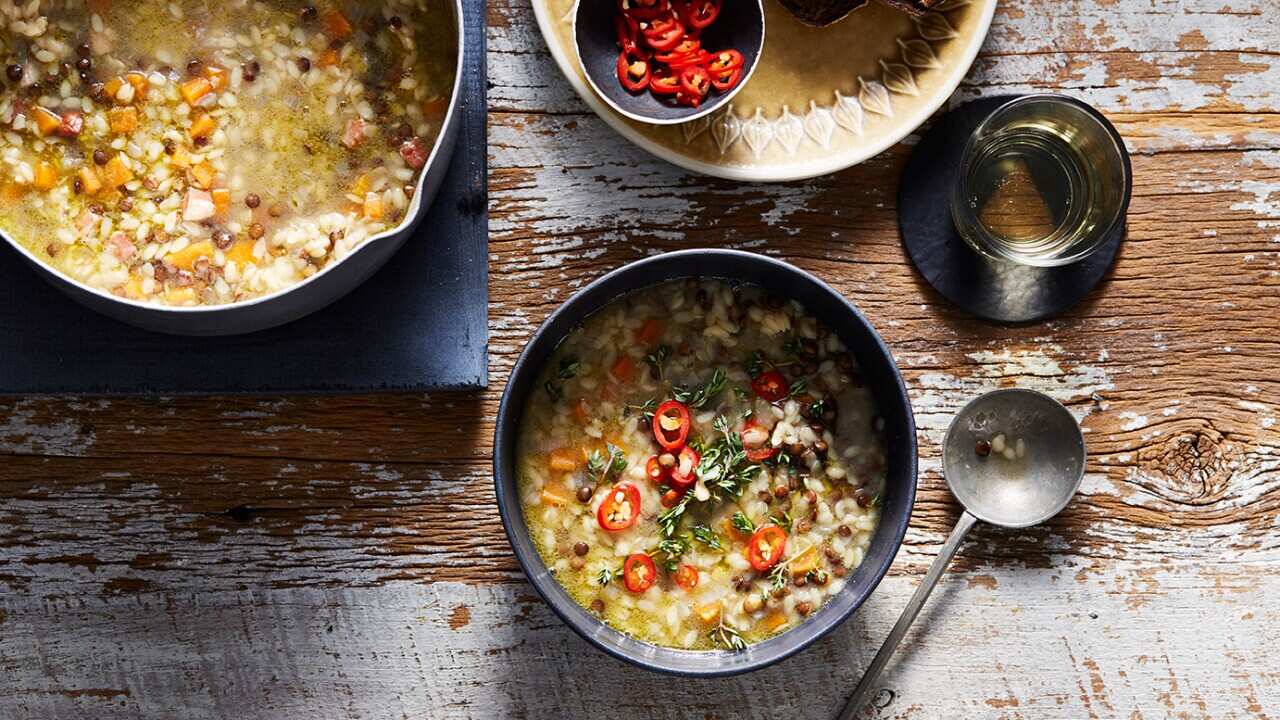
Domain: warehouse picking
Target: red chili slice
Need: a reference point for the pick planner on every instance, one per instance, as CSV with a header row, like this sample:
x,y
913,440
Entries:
x,y
702,13
726,81
671,424
638,573
687,576
725,60
771,386
621,507
626,28
766,547
695,81
663,34
633,72
699,58
671,498
755,441
663,82
684,474
683,49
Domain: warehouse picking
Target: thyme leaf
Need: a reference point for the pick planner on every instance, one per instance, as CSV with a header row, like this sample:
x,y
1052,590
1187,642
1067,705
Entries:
x,y
707,536
742,523
698,397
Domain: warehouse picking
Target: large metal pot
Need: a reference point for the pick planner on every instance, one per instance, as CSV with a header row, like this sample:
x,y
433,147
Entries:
x,y
334,281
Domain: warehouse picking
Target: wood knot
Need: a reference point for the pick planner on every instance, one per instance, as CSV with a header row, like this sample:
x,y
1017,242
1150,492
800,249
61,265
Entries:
x,y
1190,467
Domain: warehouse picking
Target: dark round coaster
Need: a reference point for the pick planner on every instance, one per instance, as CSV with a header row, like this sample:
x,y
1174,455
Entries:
x,y
1001,291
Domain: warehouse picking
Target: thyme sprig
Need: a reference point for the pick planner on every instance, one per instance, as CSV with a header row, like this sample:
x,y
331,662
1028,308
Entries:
x,y
742,523
601,467
730,638
778,574
698,397
645,409
568,369
658,359
708,537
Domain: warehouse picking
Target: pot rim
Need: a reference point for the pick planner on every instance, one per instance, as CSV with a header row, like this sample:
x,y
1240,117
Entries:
x,y
416,207
601,635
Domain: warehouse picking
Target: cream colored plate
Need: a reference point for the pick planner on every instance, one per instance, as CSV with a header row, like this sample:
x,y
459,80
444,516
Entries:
x,y
822,99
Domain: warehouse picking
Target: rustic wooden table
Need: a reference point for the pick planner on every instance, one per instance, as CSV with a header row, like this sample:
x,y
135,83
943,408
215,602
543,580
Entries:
x,y
341,557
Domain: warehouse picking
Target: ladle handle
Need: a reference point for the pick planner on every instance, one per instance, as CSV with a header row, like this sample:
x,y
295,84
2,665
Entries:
x,y
860,694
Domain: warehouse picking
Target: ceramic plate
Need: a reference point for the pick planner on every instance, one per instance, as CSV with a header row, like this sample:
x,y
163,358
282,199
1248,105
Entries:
x,y
822,99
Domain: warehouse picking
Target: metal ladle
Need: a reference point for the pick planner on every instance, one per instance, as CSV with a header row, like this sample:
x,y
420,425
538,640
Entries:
x,y
1012,492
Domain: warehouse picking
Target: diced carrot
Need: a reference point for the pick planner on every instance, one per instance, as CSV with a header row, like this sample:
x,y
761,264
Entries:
x,y
181,158
185,259
374,207
773,621
203,126
116,173
203,175
804,562
47,121
123,120
580,411
362,185
563,460
140,84
708,614
221,199
89,181
649,332
194,89
624,370
435,106
328,58
10,193
336,25
46,176
556,494
218,77
242,254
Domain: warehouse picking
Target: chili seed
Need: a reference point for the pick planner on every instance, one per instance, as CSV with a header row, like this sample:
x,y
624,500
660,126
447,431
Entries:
x,y
983,448
252,200
581,549
14,72
256,231
223,239
584,494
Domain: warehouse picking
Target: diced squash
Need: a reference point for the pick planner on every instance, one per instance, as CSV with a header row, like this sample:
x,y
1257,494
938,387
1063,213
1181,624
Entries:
x,y
203,126
47,121
89,181
203,175
218,77
113,87
46,176
140,84
242,254
116,173
328,58
362,185
185,259
194,89
556,494
336,25
181,158
649,332
708,614
123,120
221,199
624,369
10,193
181,296
563,460
374,207
773,621
804,562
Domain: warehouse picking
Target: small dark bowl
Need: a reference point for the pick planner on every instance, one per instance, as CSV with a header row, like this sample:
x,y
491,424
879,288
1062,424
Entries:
x,y
879,371
740,27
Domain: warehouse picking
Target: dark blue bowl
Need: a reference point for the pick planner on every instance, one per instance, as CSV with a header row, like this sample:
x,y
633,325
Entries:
x,y
879,370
